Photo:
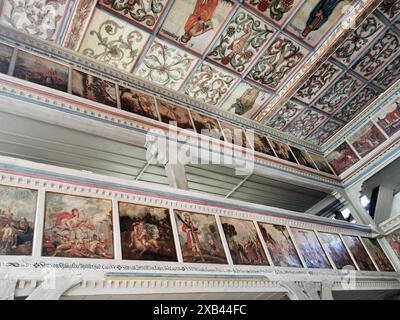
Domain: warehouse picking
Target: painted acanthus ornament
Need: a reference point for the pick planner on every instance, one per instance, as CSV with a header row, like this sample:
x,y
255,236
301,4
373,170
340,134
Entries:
x,y
114,51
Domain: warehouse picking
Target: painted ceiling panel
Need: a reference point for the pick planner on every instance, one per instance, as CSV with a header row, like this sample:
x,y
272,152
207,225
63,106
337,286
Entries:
x,y
239,56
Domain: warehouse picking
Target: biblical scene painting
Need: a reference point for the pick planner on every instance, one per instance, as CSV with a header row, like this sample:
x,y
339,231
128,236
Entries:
x,y
275,10
261,144
95,89
146,233
195,23
199,237
378,255
282,150
316,18
241,42
174,115
342,158
321,163
394,241
17,219
145,13
138,103
5,57
311,249
280,245
359,253
206,125
234,135
41,71
366,139
389,118
77,227
302,157
245,99
243,241
337,250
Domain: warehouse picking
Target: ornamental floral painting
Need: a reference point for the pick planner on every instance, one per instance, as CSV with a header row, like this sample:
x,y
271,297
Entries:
x,y
380,53
240,43
166,65
366,139
359,253
303,157
199,238
280,245
174,114
278,62
378,255
275,10
389,118
389,75
245,99
209,84
90,87
340,92
316,84
145,13
41,71
282,150
195,23
35,17
306,123
357,41
17,219
289,111
390,9
243,241
325,131
5,57
138,102
321,163
113,41
342,158
316,18
77,227
311,249
337,251
146,233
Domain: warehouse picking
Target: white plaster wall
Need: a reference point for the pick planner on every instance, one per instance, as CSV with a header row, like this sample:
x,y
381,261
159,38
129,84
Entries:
x,y
395,205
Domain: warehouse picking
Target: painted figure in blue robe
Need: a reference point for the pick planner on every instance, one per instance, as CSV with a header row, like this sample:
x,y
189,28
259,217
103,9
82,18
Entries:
x,y
319,15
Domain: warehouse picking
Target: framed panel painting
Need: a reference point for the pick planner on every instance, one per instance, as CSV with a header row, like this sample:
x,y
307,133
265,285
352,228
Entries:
x,y
283,151
146,233
17,219
378,255
389,118
77,227
6,53
173,113
311,249
194,24
138,103
394,241
199,238
336,250
321,163
280,245
342,158
206,125
366,139
42,71
303,157
95,89
243,241
234,135
261,144
359,253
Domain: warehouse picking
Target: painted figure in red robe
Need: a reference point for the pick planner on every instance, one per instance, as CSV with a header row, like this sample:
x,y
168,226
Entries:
x,y
192,236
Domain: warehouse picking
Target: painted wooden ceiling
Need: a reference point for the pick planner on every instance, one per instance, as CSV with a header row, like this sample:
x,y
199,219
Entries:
x,y
299,66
